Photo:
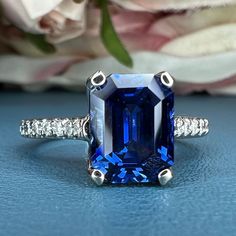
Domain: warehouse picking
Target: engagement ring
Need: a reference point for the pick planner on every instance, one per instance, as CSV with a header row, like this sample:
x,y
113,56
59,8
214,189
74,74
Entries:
x,y
130,128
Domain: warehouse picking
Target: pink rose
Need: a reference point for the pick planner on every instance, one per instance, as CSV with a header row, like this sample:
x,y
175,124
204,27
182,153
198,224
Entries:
x,y
182,43
60,20
132,28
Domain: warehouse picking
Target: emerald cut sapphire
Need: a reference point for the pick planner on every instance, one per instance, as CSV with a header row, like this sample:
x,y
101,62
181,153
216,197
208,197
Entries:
x,y
132,128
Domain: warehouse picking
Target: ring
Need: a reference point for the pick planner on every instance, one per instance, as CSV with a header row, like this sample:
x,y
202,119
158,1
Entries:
x,y
130,128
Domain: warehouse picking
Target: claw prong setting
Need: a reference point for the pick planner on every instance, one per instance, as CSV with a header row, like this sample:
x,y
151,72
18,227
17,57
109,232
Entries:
x,y
167,79
98,177
98,79
165,176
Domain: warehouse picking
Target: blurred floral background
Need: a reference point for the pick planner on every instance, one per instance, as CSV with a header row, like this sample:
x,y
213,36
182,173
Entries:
x,y
62,42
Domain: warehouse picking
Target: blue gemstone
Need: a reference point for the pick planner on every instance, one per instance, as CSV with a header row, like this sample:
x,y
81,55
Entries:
x,y
132,125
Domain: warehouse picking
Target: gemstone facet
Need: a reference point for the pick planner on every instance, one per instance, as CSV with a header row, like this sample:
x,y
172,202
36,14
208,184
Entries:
x,y
132,127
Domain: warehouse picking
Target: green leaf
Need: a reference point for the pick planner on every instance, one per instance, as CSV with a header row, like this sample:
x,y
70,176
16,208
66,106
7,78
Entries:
x,y
39,42
110,39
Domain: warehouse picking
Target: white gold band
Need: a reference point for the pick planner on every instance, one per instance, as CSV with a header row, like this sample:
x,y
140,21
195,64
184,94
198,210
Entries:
x,y
78,128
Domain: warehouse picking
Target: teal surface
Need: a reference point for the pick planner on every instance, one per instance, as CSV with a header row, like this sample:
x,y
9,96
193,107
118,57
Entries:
x,y
45,189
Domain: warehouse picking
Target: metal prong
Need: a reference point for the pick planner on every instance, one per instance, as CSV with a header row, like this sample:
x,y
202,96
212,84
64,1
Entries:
x,y
98,79
165,176
98,177
167,79
85,126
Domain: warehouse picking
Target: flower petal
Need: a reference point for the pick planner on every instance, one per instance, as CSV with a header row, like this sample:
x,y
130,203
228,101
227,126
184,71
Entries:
x,y
204,42
160,5
36,9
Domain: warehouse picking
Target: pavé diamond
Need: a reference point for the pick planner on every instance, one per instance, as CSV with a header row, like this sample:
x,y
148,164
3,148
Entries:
x,y
185,127
36,128
46,127
77,127
57,128
194,127
67,127
132,123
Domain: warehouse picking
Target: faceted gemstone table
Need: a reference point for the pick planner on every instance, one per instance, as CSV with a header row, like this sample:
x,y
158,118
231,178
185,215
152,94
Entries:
x,y
45,188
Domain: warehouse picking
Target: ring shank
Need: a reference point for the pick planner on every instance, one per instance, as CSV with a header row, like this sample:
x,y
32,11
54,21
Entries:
x,y
57,128
78,128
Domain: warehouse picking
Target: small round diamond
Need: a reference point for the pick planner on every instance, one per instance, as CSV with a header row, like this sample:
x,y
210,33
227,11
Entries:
x,y
46,127
68,127
77,128
187,127
179,128
194,127
57,128
36,128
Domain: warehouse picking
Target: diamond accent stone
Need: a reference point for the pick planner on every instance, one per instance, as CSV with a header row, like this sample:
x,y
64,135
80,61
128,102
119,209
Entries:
x,y
195,129
35,128
191,127
77,127
56,128
46,128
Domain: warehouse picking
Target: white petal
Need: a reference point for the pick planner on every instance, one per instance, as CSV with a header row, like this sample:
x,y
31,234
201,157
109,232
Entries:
x,y
190,70
127,4
211,40
36,8
176,25
17,14
74,25
160,5
71,10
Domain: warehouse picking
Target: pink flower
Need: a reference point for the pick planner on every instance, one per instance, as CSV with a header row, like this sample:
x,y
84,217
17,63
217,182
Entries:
x,y
133,28
60,20
181,42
